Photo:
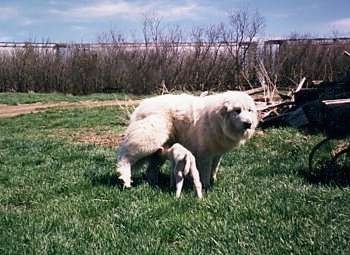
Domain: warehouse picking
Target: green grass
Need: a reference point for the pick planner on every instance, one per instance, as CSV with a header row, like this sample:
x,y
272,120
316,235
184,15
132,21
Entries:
x,y
58,197
29,98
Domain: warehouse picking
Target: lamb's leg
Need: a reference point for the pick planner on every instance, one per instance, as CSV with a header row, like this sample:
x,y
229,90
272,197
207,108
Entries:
x,y
179,178
172,175
180,165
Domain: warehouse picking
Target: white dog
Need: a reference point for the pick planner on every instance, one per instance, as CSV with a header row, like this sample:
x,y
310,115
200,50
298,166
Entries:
x,y
183,163
207,126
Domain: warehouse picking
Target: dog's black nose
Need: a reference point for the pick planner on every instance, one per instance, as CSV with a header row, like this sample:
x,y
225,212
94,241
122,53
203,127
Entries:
x,y
247,124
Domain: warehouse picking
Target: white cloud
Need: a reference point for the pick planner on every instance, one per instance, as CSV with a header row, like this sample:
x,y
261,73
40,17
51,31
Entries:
x,y
5,38
78,28
8,12
26,21
341,24
101,10
126,9
177,12
13,14
280,15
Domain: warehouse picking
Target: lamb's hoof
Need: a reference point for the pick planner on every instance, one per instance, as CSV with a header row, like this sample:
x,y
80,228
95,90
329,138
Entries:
x,y
126,184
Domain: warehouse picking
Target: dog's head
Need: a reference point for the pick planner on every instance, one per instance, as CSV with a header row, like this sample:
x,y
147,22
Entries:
x,y
239,116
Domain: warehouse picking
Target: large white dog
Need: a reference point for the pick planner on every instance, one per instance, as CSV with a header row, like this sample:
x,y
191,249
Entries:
x,y
207,126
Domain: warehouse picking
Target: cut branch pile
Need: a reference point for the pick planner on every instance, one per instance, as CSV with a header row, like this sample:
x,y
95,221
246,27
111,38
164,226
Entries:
x,y
306,105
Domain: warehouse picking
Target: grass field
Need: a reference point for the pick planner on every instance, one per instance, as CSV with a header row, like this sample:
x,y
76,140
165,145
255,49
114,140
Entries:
x,y
59,196
29,98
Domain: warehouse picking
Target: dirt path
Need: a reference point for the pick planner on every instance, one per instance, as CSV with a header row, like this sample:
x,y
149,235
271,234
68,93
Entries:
x,y
15,110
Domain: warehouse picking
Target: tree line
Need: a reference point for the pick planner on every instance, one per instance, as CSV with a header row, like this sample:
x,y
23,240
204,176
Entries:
x,y
218,57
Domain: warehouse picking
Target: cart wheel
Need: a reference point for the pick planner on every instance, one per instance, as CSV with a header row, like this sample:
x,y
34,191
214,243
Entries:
x,y
341,159
329,161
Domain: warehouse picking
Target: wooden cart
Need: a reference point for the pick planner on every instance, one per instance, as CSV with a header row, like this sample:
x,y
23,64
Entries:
x,y
333,153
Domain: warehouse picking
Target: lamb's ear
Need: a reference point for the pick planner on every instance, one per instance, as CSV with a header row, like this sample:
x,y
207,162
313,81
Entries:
x,y
224,109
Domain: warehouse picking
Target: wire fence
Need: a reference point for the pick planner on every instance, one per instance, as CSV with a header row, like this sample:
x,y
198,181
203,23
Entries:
x,y
144,68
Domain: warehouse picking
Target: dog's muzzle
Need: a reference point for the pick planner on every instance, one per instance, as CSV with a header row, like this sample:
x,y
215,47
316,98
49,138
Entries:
x,y
246,124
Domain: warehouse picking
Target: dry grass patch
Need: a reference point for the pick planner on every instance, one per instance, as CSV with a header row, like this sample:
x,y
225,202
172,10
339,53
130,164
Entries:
x,y
100,137
106,138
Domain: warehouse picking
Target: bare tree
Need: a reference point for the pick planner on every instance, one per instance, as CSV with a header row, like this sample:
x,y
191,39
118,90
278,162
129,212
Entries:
x,y
239,34
151,29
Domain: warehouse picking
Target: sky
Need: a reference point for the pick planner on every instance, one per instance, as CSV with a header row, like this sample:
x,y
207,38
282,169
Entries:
x,y
87,20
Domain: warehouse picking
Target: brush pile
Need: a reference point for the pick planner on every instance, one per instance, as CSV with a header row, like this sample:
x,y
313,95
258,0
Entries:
x,y
319,105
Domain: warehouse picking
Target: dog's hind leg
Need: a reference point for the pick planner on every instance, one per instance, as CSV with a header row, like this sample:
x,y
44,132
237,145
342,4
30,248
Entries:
x,y
142,139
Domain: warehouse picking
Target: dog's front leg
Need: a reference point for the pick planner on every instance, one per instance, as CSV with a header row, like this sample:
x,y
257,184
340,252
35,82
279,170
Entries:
x,y
196,180
204,163
214,168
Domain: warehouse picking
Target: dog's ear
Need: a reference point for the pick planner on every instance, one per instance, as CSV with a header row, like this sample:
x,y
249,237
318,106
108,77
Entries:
x,y
224,109
161,151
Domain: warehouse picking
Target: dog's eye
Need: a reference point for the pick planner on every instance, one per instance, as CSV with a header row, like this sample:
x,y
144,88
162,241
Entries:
x,y
237,110
251,110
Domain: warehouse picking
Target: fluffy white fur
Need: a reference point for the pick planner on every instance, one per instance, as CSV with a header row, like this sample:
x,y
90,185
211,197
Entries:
x,y
207,126
183,163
